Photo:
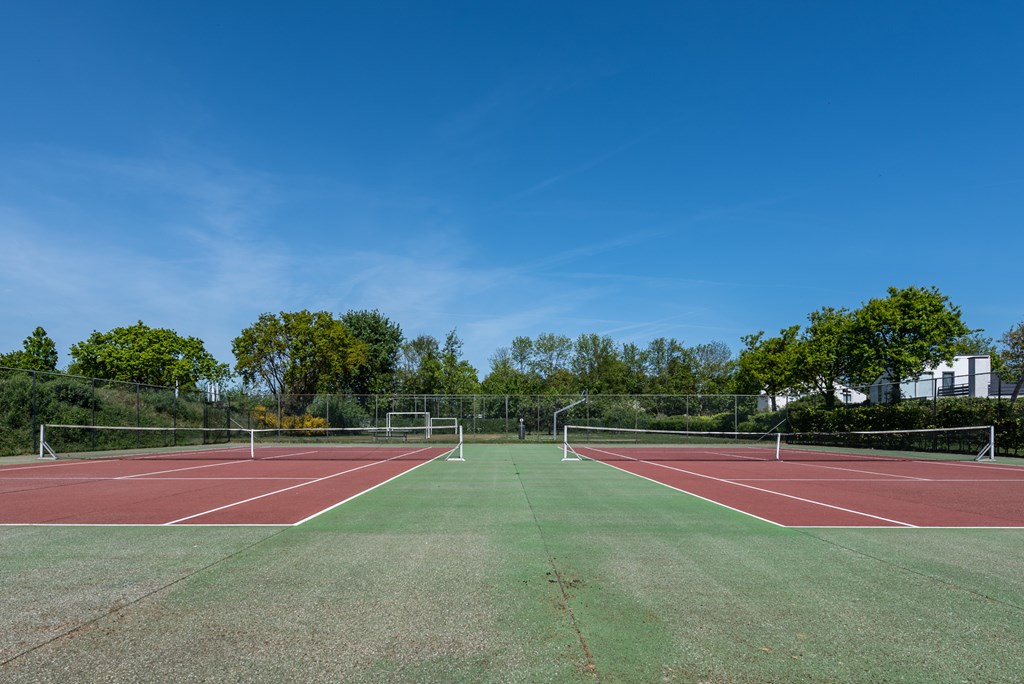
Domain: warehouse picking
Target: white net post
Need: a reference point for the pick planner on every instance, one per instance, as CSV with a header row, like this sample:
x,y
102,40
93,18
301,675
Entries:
x,y
456,453
988,452
567,453
45,452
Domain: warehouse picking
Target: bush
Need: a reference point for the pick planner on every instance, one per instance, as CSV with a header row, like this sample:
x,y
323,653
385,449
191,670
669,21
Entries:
x,y
339,412
913,415
721,422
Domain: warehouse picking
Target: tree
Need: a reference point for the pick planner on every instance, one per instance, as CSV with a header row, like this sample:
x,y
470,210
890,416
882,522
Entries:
x,y
1012,354
824,355
670,367
902,335
713,368
151,356
769,364
420,368
38,353
521,353
551,353
298,353
634,366
596,364
383,342
457,375
504,377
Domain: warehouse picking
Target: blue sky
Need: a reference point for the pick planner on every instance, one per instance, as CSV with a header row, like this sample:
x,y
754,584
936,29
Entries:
x,y
697,170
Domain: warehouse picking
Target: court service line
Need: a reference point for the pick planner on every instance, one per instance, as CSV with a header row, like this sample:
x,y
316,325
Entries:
x,y
758,489
178,470
855,470
286,489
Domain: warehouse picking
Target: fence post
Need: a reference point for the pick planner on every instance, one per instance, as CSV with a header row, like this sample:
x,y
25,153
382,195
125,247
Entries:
x,y
35,412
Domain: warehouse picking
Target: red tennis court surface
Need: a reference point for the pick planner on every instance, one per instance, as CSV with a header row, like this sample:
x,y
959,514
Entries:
x,y
210,492
883,493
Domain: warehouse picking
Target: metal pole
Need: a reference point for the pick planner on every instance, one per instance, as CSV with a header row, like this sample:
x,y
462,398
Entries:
x,y
35,413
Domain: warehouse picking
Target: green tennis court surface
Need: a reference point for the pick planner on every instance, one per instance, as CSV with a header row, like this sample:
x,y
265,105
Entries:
x,y
513,567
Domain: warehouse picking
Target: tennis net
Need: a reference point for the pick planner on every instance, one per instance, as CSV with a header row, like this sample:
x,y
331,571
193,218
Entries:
x,y
184,443
615,444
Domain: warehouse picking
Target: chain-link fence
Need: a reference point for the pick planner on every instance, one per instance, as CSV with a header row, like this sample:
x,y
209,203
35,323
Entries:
x,y
28,399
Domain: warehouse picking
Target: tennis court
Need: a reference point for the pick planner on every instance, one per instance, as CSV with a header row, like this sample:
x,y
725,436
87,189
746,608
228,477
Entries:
x,y
858,494
923,478
206,485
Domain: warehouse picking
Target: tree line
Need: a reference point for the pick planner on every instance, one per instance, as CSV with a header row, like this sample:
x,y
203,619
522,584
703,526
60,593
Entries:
x,y
364,352
894,338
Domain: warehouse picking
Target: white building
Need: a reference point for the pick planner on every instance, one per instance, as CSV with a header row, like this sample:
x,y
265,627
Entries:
x,y
967,376
844,395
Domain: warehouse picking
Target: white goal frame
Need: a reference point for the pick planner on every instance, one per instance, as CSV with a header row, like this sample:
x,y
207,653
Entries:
x,y
426,418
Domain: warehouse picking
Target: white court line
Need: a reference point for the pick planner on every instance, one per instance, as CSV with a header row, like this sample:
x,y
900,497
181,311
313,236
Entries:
x,y
287,489
696,496
141,478
855,470
354,496
740,484
289,455
178,470
888,480
189,527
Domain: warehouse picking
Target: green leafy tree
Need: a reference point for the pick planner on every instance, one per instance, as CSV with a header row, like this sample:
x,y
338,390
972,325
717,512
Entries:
x,y
713,368
383,345
1012,355
508,376
503,376
420,368
457,375
521,354
634,366
551,353
297,353
152,356
38,353
670,367
903,334
824,355
597,365
768,364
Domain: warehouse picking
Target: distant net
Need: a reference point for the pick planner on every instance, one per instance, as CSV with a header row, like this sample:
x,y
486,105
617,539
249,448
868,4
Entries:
x,y
612,444
933,444
185,443
940,444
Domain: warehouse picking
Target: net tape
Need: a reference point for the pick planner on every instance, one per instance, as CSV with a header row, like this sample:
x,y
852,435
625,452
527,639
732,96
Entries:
x,y
601,443
87,441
